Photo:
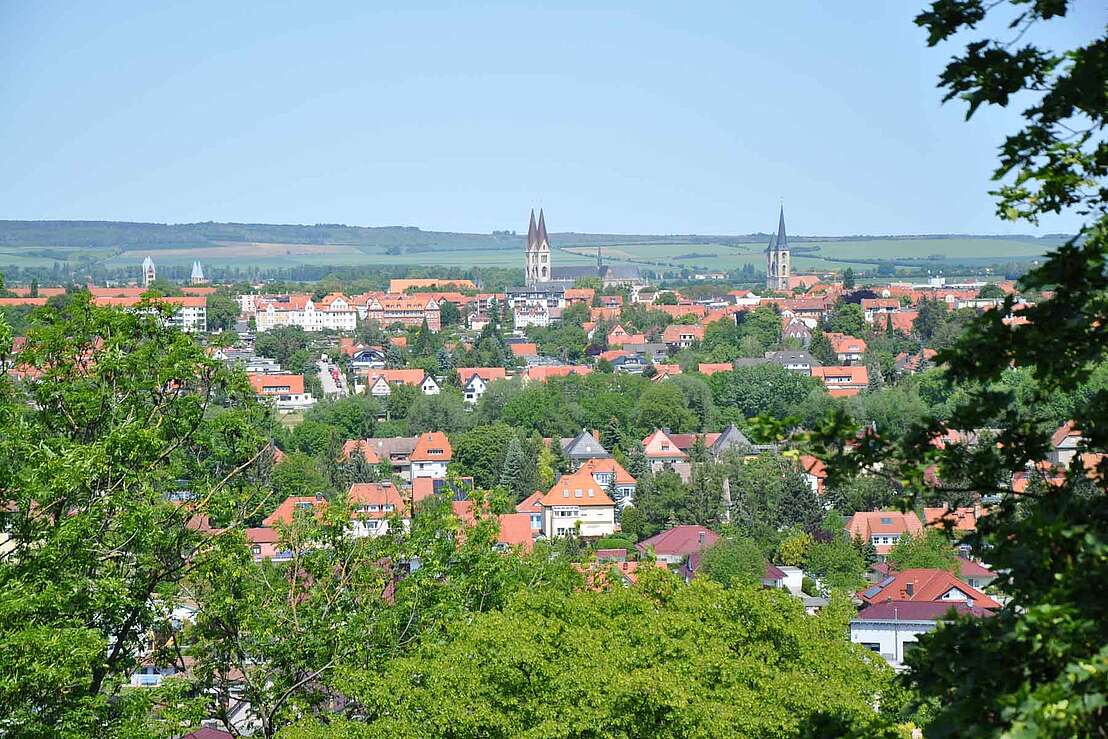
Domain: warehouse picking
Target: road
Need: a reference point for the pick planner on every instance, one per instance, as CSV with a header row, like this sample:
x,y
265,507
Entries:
x,y
330,387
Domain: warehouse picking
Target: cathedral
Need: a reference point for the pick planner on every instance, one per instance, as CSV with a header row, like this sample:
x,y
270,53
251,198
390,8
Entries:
x,y
778,267
538,263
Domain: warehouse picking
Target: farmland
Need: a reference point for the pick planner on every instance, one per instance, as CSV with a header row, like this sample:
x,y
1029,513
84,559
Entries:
x,y
32,244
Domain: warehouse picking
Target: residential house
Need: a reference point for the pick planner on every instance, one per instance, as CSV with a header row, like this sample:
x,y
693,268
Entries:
x,y
710,368
583,447
531,506
892,628
380,382
883,529
542,373
190,314
674,545
514,529
372,504
1064,442
476,379
797,330
926,585
848,349
396,449
661,450
431,455
797,361
398,286
619,336
843,381
408,310
577,506
335,312
616,481
286,392
678,336
875,309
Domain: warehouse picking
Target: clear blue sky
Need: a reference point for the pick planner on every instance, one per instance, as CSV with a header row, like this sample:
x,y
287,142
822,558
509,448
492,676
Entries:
x,y
636,117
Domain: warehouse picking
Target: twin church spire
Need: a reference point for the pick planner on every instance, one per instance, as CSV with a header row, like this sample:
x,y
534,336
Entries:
x,y
537,262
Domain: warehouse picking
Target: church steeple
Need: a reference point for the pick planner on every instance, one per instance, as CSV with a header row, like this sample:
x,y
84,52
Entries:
x,y
536,262
778,259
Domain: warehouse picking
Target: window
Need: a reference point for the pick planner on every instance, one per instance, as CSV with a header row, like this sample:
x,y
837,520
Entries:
x,y
872,646
886,521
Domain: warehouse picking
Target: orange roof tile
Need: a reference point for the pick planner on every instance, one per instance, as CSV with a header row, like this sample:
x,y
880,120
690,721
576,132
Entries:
x,y
432,446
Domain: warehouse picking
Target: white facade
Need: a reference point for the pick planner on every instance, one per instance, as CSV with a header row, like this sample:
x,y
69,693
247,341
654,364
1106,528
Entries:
x,y
562,520
474,389
192,319
338,316
435,469
892,639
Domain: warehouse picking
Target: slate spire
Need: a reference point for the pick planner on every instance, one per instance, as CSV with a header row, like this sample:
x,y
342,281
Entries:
x,y
542,227
782,243
531,229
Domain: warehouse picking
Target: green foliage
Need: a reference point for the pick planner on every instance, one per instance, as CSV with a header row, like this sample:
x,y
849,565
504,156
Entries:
x,y
89,457
732,562
445,411
793,550
930,550
837,563
633,523
764,389
770,493
846,318
223,311
281,343
353,418
298,474
501,673
663,405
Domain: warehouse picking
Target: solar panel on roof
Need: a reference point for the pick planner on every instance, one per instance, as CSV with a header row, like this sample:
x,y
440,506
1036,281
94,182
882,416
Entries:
x,y
872,591
885,582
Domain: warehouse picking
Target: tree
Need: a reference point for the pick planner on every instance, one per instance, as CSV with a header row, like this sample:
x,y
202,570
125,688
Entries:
x,y
793,550
281,343
632,522
665,298
735,561
848,278
663,405
354,417
223,310
445,411
480,453
930,550
846,318
837,563
518,474
552,634
298,474
821,349
449,315
90,456
761,389
933,314
991,291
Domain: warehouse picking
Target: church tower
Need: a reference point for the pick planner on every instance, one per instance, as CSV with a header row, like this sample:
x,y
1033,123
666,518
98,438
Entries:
x,y
778,266
537,256
149,274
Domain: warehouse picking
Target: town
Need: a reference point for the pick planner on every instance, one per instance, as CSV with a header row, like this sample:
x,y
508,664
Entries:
x,y
588,407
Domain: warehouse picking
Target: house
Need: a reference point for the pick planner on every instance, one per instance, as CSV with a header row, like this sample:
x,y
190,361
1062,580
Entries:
x,y
366,358
910,364
372,504
661,450
387,309
264,542
679,336
334,312
583,447
475,379
883,529
292,505
618,336
975,574
513,529
616,481
875,309
961,520
396,449
286,392
798,331
625,362
797,361
848,349
531,506
843,381
891,628
431,455
674,545
710,368
189,313
815,472
922,585
397,286
577,506
542,373
1064,442
381,381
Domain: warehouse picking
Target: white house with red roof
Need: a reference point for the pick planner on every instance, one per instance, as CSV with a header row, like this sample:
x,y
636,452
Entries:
x,y
431,455
843,381
577,506
531,506
674,545
285,391
372,504
883,529
926,585
616,481
661,450
334,312
475,380
892,628
848,349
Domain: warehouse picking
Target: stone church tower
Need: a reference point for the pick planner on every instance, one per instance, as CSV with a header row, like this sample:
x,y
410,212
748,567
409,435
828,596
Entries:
x,y
149,274
537,256
778,266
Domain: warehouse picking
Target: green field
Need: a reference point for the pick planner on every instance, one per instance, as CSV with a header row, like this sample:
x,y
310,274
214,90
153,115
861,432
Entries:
x,y
31,244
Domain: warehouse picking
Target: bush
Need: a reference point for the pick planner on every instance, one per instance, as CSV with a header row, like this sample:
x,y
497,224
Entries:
x,y
808,586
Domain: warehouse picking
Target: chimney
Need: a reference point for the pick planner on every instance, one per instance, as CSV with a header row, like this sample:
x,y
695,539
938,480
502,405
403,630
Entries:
x,y
910,588
701,538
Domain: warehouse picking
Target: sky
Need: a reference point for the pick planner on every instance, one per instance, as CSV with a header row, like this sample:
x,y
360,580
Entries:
x,y
634,117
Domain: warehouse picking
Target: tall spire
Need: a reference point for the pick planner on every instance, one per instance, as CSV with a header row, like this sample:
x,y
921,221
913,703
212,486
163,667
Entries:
x,y
531,229
542,227
782,243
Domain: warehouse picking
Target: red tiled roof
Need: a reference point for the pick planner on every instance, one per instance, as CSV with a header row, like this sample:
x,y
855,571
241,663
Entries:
x,y
925,585
907,610
362,445
595,465
679,541
524,350
488,374
268,384
710,368
565,492
962,519
432,446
